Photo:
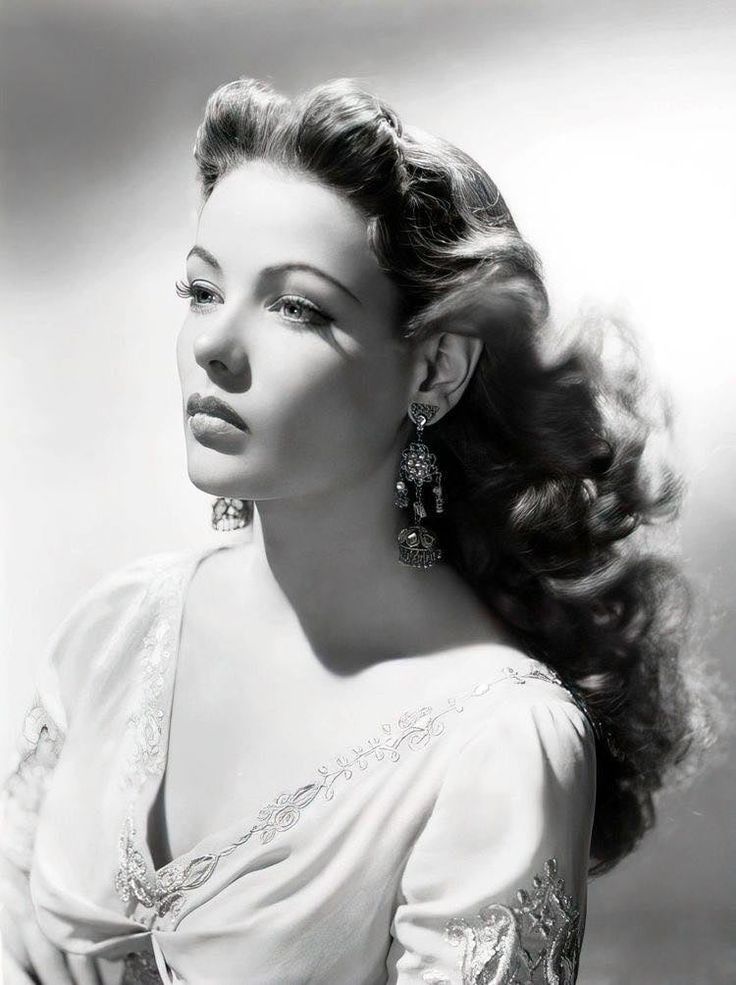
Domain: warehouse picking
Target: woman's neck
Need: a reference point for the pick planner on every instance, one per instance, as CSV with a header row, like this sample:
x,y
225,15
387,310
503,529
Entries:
x,y
332,560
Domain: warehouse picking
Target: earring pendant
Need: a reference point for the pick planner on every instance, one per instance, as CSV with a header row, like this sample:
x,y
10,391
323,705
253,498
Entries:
x,y
402,495
418,545
230,514
439,502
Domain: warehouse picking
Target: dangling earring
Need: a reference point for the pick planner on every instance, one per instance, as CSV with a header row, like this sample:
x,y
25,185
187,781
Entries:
x,y
417,544
230,514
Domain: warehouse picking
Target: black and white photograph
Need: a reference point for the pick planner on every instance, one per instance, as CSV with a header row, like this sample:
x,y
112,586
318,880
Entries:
x,y
368,534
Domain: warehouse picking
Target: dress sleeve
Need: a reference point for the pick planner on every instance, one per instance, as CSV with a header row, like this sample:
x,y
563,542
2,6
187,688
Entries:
x,y
64,668
493,891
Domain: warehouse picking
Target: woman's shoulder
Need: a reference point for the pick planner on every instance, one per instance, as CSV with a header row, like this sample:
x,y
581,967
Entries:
x,y
528,761
110,592
141,569
139,585
525,708
108,609
137,577
136,572
509,677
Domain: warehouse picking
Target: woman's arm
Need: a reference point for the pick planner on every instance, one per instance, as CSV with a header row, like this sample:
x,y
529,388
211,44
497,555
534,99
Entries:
x,y
27,955
73,655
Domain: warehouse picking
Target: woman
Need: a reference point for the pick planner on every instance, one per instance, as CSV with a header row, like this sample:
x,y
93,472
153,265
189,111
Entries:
x,y
386,739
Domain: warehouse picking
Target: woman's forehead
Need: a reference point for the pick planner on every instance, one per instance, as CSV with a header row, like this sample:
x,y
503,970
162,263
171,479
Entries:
x,y
260,210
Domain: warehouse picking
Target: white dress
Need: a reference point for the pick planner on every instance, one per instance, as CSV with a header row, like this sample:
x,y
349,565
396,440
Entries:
x,y
450,846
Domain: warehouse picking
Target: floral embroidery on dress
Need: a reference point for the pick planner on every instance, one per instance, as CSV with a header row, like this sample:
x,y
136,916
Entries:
x,y
144,754
37,751
534,942
163,891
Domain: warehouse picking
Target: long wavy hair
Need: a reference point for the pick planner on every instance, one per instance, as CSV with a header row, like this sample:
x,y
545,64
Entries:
x,y
543,457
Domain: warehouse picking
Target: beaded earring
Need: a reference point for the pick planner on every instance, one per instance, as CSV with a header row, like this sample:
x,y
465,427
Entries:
x,y
230,514
417,544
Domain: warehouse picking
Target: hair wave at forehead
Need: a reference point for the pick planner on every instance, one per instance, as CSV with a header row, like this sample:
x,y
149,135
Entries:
x,y
433,214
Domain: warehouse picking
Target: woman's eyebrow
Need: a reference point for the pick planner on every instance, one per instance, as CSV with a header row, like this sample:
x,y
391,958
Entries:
x,y
274,270
199,251
282,268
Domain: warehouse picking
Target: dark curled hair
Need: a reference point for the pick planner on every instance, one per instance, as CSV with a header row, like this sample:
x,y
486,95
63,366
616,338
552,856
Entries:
x,y
543,458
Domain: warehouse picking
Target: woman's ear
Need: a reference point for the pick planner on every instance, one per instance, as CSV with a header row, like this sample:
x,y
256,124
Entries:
x,y
444,367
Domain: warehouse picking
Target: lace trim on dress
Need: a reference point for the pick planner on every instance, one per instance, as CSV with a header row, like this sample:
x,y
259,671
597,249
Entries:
x,y
162,892
535,942
37,751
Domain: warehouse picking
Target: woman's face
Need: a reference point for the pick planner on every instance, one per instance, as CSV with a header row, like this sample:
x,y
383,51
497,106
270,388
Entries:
x,y
292,323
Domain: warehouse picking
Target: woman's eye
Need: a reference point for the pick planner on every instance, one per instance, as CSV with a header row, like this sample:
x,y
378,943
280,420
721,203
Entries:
x,y
199,295
296,309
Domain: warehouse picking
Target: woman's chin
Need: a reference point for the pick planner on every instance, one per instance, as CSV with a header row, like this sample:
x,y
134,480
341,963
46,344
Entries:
x,y
216,481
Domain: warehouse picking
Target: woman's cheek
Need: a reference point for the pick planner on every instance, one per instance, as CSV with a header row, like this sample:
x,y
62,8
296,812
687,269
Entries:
x,y
181,355
303,377
315,422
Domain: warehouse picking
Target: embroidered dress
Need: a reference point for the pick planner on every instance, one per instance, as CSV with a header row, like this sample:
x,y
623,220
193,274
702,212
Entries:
x,y
448,847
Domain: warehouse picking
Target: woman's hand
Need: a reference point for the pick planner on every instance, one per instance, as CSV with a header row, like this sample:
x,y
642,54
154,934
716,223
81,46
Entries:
x,y
28,956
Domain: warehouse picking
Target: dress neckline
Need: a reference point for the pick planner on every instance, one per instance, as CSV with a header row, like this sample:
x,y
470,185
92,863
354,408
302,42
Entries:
x,y
165,892
172,622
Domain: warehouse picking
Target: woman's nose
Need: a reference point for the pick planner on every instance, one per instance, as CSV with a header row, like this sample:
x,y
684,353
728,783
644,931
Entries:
x,y
219,350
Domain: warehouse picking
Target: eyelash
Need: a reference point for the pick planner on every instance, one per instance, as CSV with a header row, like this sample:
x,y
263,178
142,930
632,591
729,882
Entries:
x,y
322,318
194,292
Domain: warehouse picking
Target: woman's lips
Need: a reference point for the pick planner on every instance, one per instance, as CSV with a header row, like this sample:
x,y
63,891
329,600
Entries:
x,y
213,407
213,432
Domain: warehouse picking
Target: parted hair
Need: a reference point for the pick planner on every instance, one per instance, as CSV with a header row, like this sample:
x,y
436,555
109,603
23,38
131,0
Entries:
x,y
544,458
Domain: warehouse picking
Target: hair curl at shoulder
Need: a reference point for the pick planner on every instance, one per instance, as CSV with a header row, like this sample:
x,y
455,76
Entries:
x,y
544,457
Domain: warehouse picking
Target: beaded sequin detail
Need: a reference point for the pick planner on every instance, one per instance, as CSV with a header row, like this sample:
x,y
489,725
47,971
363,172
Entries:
x,y
534,942
162,892
37,752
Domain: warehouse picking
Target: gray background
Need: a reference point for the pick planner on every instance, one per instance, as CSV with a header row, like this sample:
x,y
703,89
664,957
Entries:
x,y
610,131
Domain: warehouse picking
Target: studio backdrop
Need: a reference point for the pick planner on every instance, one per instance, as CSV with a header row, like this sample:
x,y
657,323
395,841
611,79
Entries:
x,y
609,129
